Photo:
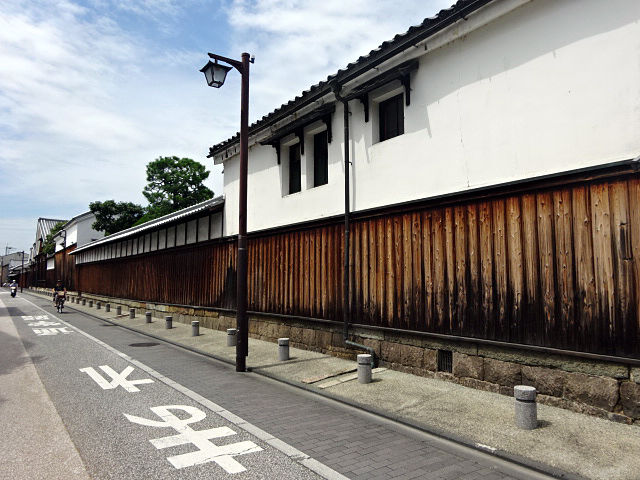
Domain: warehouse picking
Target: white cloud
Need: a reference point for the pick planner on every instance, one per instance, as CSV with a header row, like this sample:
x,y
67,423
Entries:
x,y
298,43
88,96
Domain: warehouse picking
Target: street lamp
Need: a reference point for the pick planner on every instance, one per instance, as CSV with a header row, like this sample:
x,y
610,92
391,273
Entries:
x,y
215,75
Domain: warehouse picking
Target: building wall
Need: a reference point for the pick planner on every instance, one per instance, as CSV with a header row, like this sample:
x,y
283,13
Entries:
x,y
549,87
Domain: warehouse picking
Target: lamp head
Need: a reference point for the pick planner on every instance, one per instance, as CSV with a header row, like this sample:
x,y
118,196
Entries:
x,y
215,73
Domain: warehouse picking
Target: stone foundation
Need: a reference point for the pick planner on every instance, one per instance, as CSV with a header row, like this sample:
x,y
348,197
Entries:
x,y
607,390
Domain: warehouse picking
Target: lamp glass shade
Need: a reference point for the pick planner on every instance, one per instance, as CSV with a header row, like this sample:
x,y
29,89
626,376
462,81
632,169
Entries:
x,y
215,73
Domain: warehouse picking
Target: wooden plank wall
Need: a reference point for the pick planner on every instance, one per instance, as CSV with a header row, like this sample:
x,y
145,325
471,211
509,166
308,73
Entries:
x,y
557,268
202,275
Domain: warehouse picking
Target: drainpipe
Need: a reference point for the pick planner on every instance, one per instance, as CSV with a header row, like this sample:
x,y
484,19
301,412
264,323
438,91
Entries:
x,y
346,294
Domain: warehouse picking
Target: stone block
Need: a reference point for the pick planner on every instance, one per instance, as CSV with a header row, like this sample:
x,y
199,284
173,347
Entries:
x,y
635,374
502,373
323,339
309,337
391,352
547,381
477,384
601,392
430,359
296,335
411,356
372,343
468,366
630,399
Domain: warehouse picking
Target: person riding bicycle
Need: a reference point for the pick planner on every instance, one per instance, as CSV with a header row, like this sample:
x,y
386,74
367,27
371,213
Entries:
x,y
59,289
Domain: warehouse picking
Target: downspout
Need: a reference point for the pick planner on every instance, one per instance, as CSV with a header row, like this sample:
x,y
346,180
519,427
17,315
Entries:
x,y
346,294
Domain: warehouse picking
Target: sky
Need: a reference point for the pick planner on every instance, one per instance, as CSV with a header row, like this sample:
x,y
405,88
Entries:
x,y
91,91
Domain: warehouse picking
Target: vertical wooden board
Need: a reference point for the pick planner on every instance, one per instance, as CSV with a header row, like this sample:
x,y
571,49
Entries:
x,y
427,259
357,273
397,270
340,276
451,322
390,277
544,207
300,310
313,262
373,288
417,263
603,265
305,273
533,323
407,281
501,265
485,222
474,323
285,274
364,270
460,254
634,229
282,278
624,333
565,268
331,275
380,272
318,281
325,275
441,309
515,272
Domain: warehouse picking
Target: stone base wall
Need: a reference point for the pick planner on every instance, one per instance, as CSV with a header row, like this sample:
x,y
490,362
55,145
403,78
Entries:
x,y
604,389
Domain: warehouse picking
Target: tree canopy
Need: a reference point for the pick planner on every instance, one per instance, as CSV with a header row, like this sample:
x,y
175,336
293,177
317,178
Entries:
x,y
173,184
112,216
49,246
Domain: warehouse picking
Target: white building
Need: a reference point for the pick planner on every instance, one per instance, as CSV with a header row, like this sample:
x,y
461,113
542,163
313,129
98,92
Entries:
x,y
77,232
485,93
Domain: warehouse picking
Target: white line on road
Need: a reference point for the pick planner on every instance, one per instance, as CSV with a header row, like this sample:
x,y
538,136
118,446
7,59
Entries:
x,y
290,451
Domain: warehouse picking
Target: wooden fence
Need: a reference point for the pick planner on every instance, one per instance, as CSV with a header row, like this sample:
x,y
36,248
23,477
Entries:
x,y
555,267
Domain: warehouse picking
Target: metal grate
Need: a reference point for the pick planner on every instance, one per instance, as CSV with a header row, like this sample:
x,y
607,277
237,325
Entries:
x,y
445,361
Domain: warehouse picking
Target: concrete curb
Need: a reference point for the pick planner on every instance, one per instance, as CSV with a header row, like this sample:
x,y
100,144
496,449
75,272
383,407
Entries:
x,y
513,458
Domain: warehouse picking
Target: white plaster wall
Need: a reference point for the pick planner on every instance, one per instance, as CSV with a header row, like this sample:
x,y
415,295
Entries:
x,y
86,233
549,87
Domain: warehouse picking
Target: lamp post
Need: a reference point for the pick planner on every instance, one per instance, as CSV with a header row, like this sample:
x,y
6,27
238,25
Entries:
x,y
215,74
22,273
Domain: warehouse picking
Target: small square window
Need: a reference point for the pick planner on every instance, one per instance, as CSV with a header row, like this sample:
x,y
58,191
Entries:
x,y
391,117
320,159
445,361
294,169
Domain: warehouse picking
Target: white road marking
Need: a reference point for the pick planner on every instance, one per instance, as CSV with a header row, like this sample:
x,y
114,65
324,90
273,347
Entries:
x,y
117,379
44,323
51,331
207,451
317,467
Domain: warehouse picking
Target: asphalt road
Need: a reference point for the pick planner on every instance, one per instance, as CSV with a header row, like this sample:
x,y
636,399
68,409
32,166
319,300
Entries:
x,y
137,408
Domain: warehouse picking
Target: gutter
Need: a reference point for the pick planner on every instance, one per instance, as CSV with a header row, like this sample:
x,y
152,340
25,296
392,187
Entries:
x,y
346,294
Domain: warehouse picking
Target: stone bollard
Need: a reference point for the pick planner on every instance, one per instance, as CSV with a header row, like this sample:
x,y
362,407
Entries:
x,y
107,307
71,299
132,313
168,322
364,368
98,305
232,337
195,328
147,316
90,303
526,407
283,349
118,310
84,301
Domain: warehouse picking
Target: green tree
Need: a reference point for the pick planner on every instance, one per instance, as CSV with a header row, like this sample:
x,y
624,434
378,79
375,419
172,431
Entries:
x,y
112,216
49,246
173,184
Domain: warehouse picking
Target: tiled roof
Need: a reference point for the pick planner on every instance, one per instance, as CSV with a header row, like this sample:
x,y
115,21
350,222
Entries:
x,y
44,227
386,50
151,224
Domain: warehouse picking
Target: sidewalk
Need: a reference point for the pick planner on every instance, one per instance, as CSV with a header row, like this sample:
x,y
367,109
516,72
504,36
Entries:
x,y
564,442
